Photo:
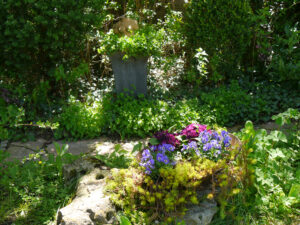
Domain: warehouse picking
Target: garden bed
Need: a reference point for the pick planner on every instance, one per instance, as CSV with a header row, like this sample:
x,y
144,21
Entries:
x,y
175,173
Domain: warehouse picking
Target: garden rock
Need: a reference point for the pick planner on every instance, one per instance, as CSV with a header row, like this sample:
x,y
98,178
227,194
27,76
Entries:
x,y
34,146
79,167
91,205
100,146
201,214
18,153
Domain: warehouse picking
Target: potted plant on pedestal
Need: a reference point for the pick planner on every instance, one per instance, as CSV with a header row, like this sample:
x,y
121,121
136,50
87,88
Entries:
x,y
129,47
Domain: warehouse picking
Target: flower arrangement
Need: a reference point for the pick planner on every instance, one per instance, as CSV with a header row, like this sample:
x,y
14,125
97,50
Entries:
x,y
167,174
193,141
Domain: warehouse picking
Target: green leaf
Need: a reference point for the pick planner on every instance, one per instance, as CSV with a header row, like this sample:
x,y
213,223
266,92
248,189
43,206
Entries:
x,y
295,191
153,141
249,125
137,147
124,220
117,147
278,136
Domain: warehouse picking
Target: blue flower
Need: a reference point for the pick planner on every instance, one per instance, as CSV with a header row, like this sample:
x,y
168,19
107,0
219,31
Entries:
x,y
224,133
146,153
216,136
147,161
215,144
153,148
205,136
160,157
193,145
226,141
217,153
184,147
207,147
148,171
166,160
166,147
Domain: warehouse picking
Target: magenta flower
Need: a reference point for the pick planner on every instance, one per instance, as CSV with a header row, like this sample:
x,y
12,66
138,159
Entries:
x,y
164,137
193,130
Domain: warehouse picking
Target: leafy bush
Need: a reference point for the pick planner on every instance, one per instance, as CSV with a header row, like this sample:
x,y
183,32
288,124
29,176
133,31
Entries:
x,y
145,41
276,169
275,45
10,117
128,116
285,64
270,188
231,103
234,104
80,120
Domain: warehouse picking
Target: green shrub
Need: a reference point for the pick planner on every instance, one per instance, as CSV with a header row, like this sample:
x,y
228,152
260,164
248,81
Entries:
x,y
146,41
234,104
231,103
275,49
80,120
270,188
276,168
10,116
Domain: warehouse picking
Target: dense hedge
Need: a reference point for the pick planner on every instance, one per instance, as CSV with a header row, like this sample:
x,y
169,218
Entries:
x,y
221,28
36,37
255,39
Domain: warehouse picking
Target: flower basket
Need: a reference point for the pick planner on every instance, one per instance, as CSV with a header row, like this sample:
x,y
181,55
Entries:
x,y
173,170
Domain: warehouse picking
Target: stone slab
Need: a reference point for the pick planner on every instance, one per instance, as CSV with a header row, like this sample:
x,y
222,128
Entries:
x,y
100,146
18,153
20,150
33,145
77,147
91,205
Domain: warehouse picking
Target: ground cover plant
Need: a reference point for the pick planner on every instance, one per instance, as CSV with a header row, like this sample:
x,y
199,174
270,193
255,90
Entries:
x,y
33,190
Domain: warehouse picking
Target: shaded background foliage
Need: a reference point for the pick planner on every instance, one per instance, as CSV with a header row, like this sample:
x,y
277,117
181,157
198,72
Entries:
x,y
49,58
38,37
